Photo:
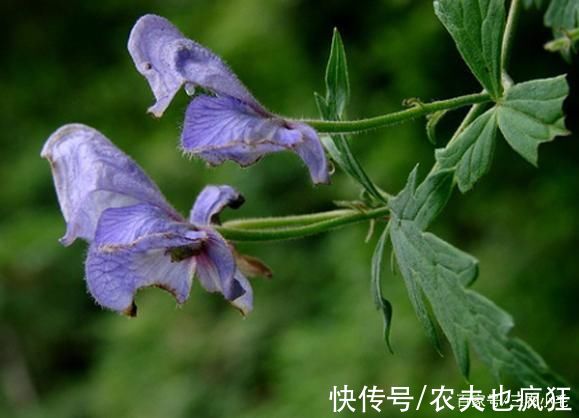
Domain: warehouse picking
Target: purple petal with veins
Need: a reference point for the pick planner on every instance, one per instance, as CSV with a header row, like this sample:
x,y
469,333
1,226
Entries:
x,y
231,126
136,238
90,175
223,128
211,201
113,277
169,61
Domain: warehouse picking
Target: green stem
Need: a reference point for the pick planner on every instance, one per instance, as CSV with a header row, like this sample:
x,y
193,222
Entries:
x,y
509,34
285,221
291,232
419,109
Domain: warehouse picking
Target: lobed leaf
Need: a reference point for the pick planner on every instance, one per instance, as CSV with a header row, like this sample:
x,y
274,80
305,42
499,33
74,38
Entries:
x,y
437,276
472,151
423,203
332,107
532,113
477,27
441,272
562,15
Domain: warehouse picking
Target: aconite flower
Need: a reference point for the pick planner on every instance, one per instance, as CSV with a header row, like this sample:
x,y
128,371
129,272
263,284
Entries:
x,y
226,124
137,239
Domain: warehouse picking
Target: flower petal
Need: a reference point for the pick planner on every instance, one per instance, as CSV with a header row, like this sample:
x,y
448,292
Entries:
x,y
91,175
311,151
211,201
216,265
168,60
114,275
223,128
125,225
217,272
243,302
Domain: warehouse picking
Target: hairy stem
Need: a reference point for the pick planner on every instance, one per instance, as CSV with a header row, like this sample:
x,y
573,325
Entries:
x,y
285,221
417,110
509,34
292,231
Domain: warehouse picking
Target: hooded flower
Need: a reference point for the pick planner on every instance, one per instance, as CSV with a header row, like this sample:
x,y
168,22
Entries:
x,y
230,124
136,237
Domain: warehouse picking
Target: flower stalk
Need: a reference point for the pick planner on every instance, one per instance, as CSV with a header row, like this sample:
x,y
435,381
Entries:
x,y
284,228
417,110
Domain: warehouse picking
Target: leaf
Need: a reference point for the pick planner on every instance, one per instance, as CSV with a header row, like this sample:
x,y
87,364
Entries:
x,y
381,303
470,154
477,28
564,43
423,203
469,320
532,113
332,107
337,79
437,275
562,14
562,17
419,258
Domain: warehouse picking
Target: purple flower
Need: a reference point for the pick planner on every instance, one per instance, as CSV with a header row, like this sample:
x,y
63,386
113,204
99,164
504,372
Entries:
x,y
136,238
228,125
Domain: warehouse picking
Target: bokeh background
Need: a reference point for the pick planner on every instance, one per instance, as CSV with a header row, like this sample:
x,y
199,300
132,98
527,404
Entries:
x,y
314,324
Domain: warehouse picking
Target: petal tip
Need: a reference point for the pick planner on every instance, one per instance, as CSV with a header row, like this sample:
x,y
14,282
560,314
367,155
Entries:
x,y
62,133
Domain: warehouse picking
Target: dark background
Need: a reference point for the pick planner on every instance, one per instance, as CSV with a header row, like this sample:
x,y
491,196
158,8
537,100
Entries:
x,y
314,324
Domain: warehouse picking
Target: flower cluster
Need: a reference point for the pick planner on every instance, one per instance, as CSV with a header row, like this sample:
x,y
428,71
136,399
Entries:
x,y
137,239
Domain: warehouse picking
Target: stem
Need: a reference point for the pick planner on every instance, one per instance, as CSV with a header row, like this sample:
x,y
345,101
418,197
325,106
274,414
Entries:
x,y
284,233
508,36
285,221
420,109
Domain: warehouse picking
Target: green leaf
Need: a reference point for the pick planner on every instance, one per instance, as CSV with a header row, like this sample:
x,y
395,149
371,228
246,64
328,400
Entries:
x,y
337,79
562,17
532,113
470,154
381,303
564,43
469,320
423,203
477,27
332,107
421,258
562,14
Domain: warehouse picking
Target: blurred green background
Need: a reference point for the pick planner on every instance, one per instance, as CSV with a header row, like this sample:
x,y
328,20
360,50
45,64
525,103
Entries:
x,y
314,325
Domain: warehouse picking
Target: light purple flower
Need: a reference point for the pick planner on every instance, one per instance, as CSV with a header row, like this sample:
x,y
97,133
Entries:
x,y
228,125
136,237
